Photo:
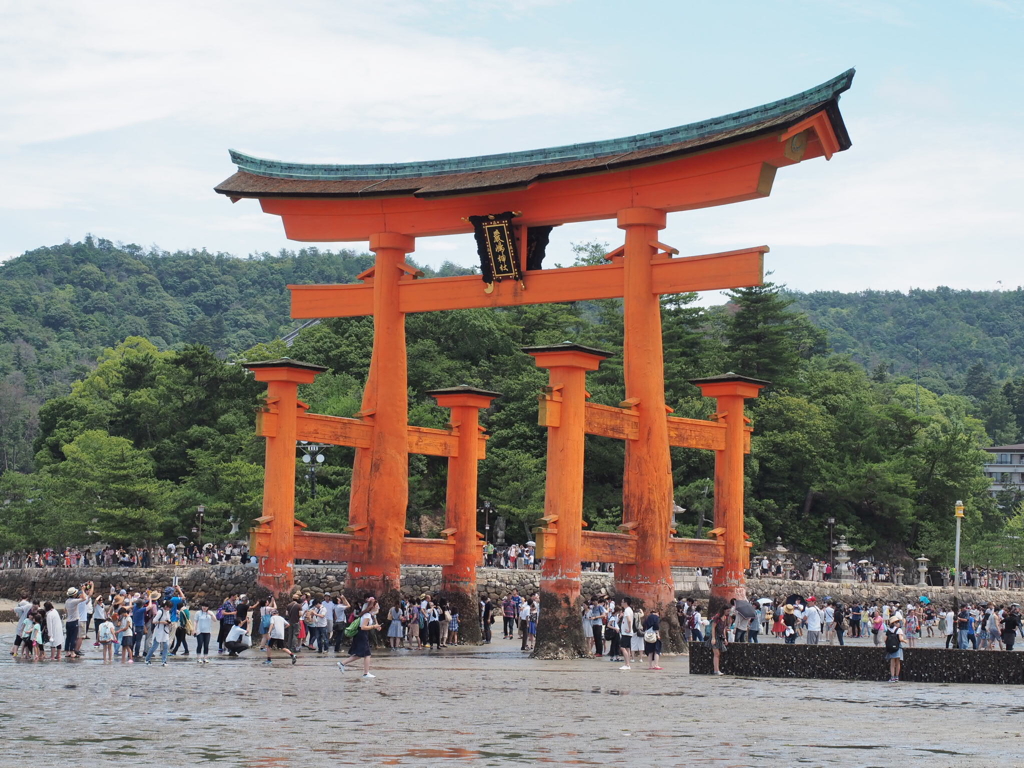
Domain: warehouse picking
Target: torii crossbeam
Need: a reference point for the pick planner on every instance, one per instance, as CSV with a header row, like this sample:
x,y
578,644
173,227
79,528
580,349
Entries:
x,y
637,181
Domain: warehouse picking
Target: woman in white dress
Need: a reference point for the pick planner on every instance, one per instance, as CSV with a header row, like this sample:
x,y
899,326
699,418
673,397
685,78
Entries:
x,y
55,631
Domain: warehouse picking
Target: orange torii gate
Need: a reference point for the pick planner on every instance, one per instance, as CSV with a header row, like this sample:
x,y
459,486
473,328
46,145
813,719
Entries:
x,y
636,180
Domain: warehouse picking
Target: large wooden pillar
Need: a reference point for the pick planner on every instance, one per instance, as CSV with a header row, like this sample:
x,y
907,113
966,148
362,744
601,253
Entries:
x,y
380,483
730,390
563,412
277,560
459,578
647,483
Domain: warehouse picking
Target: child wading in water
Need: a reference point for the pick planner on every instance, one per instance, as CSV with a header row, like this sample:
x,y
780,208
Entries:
x,y
106,636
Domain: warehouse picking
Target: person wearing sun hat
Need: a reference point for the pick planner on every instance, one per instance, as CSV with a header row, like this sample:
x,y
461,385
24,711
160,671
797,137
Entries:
x,y
789,619
894,639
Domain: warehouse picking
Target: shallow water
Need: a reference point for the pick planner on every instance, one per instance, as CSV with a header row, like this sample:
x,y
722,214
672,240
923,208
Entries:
x,y
488,707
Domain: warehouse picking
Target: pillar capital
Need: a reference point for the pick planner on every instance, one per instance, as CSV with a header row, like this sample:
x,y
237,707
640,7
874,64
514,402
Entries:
x,y
730,383
463,395
568,355
641,217
392,241
285,369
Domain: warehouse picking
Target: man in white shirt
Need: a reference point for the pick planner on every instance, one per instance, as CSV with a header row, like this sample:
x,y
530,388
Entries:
x,y
626,632
830,622
277,627
236,640
814,620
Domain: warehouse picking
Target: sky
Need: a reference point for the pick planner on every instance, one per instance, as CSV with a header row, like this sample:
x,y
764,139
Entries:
x,y
116,118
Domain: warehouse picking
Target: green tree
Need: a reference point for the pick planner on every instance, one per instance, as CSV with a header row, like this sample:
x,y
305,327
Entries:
x,y
107,490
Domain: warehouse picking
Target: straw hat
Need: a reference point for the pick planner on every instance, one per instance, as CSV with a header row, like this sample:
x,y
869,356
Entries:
x,y
788,608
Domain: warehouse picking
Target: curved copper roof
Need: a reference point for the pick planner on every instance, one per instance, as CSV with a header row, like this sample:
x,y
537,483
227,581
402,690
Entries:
x,y
257,177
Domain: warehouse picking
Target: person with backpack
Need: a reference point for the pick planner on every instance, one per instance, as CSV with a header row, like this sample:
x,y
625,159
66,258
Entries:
x,y
361,637
894,639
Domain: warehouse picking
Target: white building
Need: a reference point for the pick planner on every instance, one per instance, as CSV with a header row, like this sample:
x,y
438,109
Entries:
x,y
1005,468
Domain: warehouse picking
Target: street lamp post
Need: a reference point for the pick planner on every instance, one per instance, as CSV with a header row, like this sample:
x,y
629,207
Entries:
x,y
312,458
956,558
200,513
831,543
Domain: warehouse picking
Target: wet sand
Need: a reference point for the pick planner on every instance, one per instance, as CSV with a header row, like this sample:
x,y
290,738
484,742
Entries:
x,y
487,706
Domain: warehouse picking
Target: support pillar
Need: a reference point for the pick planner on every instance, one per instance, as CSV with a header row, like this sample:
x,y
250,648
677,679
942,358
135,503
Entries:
x,y
380,482
647,494
730,390
563,412
458,580
280,420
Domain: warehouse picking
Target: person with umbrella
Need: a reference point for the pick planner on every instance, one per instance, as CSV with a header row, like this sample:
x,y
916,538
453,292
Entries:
x,y
743,613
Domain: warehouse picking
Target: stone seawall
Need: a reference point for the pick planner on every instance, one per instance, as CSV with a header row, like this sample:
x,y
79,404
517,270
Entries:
x,y
833,662
214,583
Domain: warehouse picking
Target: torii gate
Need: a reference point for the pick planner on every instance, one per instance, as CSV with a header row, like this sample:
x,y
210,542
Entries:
x,y
636,180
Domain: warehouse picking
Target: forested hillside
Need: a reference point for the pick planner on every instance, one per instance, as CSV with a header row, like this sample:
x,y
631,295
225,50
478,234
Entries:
x,y
61,306
937,334
164,422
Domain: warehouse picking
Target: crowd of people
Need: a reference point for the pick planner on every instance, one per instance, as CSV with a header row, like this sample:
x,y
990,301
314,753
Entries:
x,y
815,569
514,556
185,553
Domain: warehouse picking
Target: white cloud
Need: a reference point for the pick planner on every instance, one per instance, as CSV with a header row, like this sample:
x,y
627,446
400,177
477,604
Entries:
x,y
70,70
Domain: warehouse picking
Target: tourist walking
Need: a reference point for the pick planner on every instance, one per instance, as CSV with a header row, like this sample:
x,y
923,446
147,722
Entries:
x,y
719,641
396,627
275,633
361,641
1010,625
894,639
789,620
54,631
949,622
652,639
204,628
839,621
626,632
161,634
226,616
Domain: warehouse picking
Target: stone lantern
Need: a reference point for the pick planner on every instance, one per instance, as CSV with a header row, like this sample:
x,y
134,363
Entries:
x,y
922,571
897,576
843,560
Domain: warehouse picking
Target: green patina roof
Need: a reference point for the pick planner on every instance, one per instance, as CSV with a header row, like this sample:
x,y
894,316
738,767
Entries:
x,y
826,92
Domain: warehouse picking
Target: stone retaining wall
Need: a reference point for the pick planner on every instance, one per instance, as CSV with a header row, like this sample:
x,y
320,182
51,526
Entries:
x,y
833,662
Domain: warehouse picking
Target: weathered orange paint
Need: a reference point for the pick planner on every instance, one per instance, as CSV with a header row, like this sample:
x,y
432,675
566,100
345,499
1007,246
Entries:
x,y
729,581
461,503
277,560
563,489
385,465
647,483
731,269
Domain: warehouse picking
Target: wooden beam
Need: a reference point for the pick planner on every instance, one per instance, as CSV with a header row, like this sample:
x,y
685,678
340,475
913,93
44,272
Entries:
x,y
731,269
340,547
696,553
608,421
695,433
601,547
334,430
428,552
338,430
